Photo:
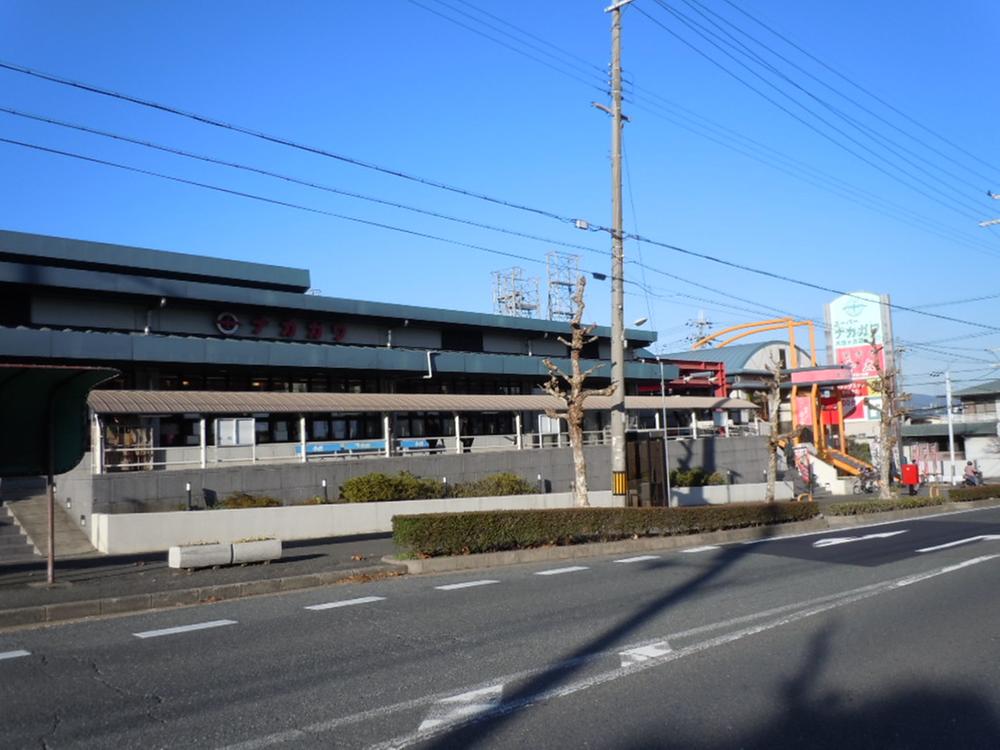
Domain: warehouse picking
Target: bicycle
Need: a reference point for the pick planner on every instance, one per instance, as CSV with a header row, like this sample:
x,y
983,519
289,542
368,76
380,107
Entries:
x,y
867,483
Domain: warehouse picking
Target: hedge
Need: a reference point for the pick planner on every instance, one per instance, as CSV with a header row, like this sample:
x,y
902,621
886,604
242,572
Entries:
x,y
246,500
964,494
378,487
862,507
436,534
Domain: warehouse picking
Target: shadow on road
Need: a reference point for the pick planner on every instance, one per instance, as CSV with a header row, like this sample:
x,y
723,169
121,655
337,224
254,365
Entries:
x,y
567,665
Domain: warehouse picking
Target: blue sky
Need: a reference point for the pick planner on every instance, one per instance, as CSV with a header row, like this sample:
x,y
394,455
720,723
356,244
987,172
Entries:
x,y
402,85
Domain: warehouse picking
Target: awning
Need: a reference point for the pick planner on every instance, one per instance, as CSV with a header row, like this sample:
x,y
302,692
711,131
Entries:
x,y
39,403
255,402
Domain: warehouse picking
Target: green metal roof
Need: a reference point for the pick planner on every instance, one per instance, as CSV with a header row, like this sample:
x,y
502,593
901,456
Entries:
x,y
991,388
734,357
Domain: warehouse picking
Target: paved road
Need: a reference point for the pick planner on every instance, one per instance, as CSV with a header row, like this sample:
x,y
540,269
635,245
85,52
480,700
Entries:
x,y
850,638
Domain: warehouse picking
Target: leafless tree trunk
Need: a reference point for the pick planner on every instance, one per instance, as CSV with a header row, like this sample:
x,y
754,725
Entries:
x,y
569,388
775,439
890,412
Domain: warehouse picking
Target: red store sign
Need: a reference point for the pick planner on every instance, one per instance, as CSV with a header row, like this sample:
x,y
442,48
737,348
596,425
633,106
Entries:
x,y
229,324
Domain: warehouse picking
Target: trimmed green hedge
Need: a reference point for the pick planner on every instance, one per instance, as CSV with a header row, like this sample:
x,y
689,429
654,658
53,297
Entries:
x,y
964,494
696,477
377,487
436,534
862,507
495,485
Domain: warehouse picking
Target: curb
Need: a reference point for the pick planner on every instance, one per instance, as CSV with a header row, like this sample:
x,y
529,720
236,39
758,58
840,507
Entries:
x,y
648,544
116,605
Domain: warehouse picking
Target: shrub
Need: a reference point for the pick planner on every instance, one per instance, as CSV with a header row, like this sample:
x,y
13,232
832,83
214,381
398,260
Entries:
x,y
696,477
862,507
495,485
377,487
246,500
434,534
964,494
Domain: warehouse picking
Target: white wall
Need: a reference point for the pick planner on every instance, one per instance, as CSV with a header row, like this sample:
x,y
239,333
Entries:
x,y
984,452
126,533
730,493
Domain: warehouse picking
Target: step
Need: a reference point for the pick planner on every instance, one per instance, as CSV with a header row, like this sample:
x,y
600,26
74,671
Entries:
x,y
31,515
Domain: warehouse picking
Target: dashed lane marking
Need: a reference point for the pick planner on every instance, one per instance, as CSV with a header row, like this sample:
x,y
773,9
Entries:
x,y
559,571
645,653
705,548
983,538
640,558
13,654
464,585
184,628
346,603
834,540
462,707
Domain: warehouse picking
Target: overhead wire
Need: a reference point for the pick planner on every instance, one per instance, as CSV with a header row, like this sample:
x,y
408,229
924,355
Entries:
x,y
944,202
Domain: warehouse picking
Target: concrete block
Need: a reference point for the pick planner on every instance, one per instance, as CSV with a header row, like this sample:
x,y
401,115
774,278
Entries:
x,y
181,598
200,555
256,551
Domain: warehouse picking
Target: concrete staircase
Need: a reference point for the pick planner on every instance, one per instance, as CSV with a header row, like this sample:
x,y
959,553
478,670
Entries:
x,y
25,506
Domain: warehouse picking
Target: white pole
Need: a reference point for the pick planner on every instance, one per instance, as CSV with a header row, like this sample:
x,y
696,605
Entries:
x,y
666,449
98,442
387,433
951,427
302,436
694,425
458,434
202,448
517,426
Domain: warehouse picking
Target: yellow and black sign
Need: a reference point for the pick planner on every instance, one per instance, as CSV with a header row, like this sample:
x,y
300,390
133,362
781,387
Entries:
x,y
619,482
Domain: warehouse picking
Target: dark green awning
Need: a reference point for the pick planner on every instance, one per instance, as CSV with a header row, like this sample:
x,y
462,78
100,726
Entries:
x,y
33,397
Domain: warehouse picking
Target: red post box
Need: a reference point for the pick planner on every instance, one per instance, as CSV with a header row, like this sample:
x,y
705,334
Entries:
x,y
911,474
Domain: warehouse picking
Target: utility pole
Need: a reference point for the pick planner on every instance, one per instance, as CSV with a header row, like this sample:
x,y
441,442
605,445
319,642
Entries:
x,y
619,481
951,427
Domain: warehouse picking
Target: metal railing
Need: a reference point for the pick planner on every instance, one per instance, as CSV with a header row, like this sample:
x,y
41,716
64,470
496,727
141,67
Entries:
x,y
144,458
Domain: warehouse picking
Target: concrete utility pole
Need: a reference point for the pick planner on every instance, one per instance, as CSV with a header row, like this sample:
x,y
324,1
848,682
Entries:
x,y
619,479
951,427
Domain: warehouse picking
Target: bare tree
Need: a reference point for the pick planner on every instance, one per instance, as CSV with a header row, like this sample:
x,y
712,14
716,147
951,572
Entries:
x,y
890,412
775,438
569,388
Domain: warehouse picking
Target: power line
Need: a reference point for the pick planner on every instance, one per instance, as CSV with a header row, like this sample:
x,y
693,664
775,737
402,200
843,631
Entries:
x,y
858,86
705,12
204,119
290,179
965,212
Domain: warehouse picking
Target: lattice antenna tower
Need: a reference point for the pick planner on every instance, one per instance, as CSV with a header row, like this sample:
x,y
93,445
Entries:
x,y
701,325
515,294
563,269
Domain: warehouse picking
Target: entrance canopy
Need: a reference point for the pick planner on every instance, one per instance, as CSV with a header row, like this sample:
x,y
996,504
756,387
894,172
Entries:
x,y
231,402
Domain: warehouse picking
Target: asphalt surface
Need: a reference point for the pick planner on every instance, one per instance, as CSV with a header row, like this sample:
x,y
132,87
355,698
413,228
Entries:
x,y
846,638
82,579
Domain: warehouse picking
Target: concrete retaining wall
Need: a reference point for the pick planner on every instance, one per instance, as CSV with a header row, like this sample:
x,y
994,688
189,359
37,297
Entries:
x,y
125,533
731,493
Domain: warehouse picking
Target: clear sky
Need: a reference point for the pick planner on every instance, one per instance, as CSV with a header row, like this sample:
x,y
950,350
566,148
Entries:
x,y
495,98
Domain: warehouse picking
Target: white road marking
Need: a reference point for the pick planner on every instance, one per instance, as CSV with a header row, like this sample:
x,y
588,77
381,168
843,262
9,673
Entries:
x,y
346,603
13,654
645,653
834,540
184,628
465,585
705,548
790,613
983,538
868,525
558,571
640,558
456,708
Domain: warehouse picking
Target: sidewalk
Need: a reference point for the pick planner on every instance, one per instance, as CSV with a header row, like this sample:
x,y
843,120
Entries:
x,y
130,583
